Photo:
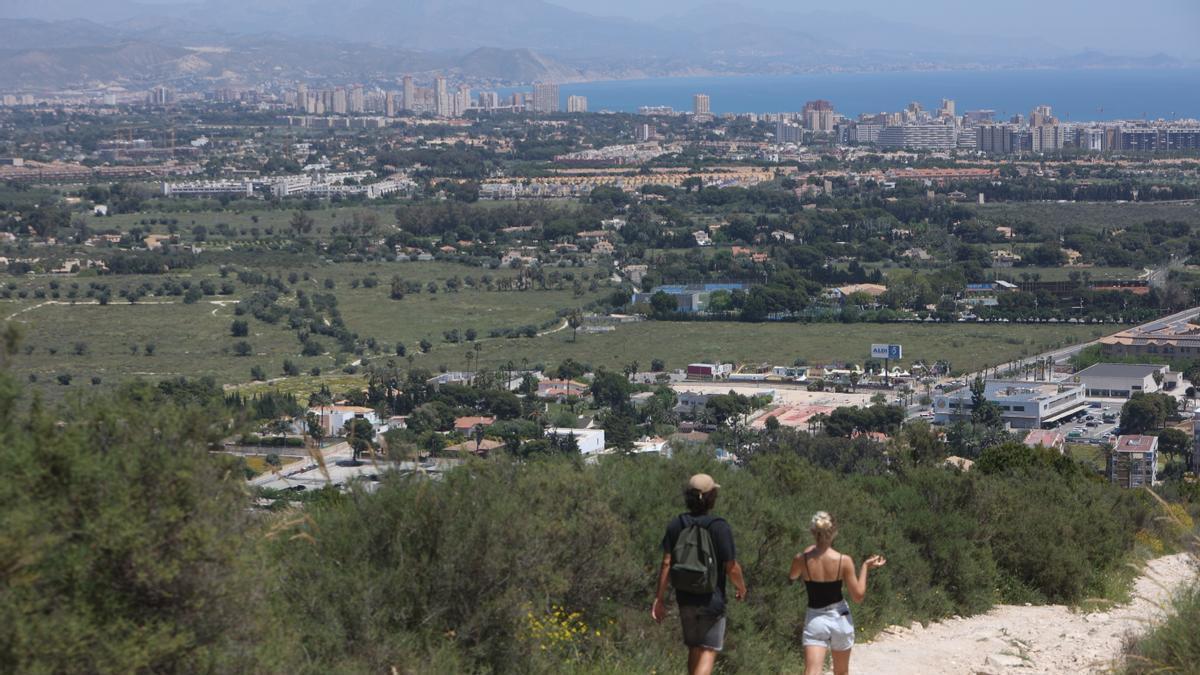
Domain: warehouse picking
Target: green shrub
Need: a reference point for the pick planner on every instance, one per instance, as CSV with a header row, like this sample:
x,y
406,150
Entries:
x,y
123,543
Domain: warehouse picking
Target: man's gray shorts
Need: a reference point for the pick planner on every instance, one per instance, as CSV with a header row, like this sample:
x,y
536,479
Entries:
x,y
702,628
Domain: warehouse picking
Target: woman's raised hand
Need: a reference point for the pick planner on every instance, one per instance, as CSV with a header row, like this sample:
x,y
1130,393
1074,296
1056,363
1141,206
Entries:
x,y
876,561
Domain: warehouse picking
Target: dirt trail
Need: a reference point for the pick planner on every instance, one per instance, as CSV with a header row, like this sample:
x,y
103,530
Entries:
x,y
1028,640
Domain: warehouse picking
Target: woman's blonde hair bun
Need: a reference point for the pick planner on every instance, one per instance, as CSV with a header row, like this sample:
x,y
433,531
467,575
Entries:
x,y
823,525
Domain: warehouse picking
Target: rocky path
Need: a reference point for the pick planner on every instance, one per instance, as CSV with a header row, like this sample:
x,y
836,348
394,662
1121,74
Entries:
x,y
1027,640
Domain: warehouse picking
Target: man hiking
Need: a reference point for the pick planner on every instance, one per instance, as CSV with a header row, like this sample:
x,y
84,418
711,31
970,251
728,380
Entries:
x,y
698,555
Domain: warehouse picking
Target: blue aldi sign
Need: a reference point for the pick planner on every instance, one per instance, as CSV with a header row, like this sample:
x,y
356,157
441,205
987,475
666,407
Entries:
x,y
891,352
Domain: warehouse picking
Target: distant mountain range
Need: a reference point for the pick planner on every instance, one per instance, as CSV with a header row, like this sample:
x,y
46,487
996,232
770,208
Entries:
x,y
242,42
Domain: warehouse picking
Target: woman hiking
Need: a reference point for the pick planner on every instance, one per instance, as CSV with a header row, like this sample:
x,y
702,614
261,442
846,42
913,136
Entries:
x,y
827,623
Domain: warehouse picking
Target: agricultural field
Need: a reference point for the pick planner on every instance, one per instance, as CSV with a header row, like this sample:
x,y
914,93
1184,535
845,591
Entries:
x,y
1063,272
244,222
1088,214
966,346
159,337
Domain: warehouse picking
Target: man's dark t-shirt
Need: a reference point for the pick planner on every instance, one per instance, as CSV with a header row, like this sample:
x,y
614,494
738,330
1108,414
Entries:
x,y
722,538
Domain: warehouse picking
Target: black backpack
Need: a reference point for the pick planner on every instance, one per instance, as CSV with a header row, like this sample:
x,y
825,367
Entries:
x,y
694,558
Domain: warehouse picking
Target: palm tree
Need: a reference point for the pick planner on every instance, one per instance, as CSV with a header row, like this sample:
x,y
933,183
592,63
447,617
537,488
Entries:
x,y
575,320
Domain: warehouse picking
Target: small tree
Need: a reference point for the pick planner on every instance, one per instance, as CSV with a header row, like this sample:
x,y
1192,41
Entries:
x,y
239,328
1174,442
312,426
301,223
359,434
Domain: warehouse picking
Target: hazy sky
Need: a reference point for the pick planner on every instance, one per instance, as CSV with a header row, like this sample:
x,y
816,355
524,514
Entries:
x,y
1129,27
1146,26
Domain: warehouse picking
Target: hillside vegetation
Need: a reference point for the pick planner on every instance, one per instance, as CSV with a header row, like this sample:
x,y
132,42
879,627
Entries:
x,y
126,546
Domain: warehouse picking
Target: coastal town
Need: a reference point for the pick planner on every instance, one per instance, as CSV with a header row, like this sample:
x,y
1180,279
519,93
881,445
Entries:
x,y
450,336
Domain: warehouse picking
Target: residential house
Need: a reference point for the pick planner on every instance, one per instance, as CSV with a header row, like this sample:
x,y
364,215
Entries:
x,y
653,445
589,441
1051,439
841,293
333,418
451,377
467,425
635,273
560,390
1002,257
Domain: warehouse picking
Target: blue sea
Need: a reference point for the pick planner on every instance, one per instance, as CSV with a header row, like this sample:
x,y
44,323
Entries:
x,y
1074,94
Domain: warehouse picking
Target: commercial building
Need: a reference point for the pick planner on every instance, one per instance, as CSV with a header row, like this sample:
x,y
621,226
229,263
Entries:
x,y
545,98
1133,461
577,104
919,137
1179,339
1023,405
709,371
1120,380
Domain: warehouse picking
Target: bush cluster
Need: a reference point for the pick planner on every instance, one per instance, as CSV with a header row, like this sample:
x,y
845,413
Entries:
x,y
125,546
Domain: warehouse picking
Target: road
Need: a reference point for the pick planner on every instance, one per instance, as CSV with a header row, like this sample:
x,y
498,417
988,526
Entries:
x,y
329,454
1065,353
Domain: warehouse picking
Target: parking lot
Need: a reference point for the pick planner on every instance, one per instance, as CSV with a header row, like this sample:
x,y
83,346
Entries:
x,y
1097,424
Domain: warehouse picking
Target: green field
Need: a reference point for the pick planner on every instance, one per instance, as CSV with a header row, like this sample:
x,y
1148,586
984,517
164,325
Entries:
x,y
1062,273
1093,214
967,347
262,219
194,340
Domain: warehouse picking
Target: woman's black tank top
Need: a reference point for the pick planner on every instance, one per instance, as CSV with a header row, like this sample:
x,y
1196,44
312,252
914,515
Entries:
x,y
822,593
